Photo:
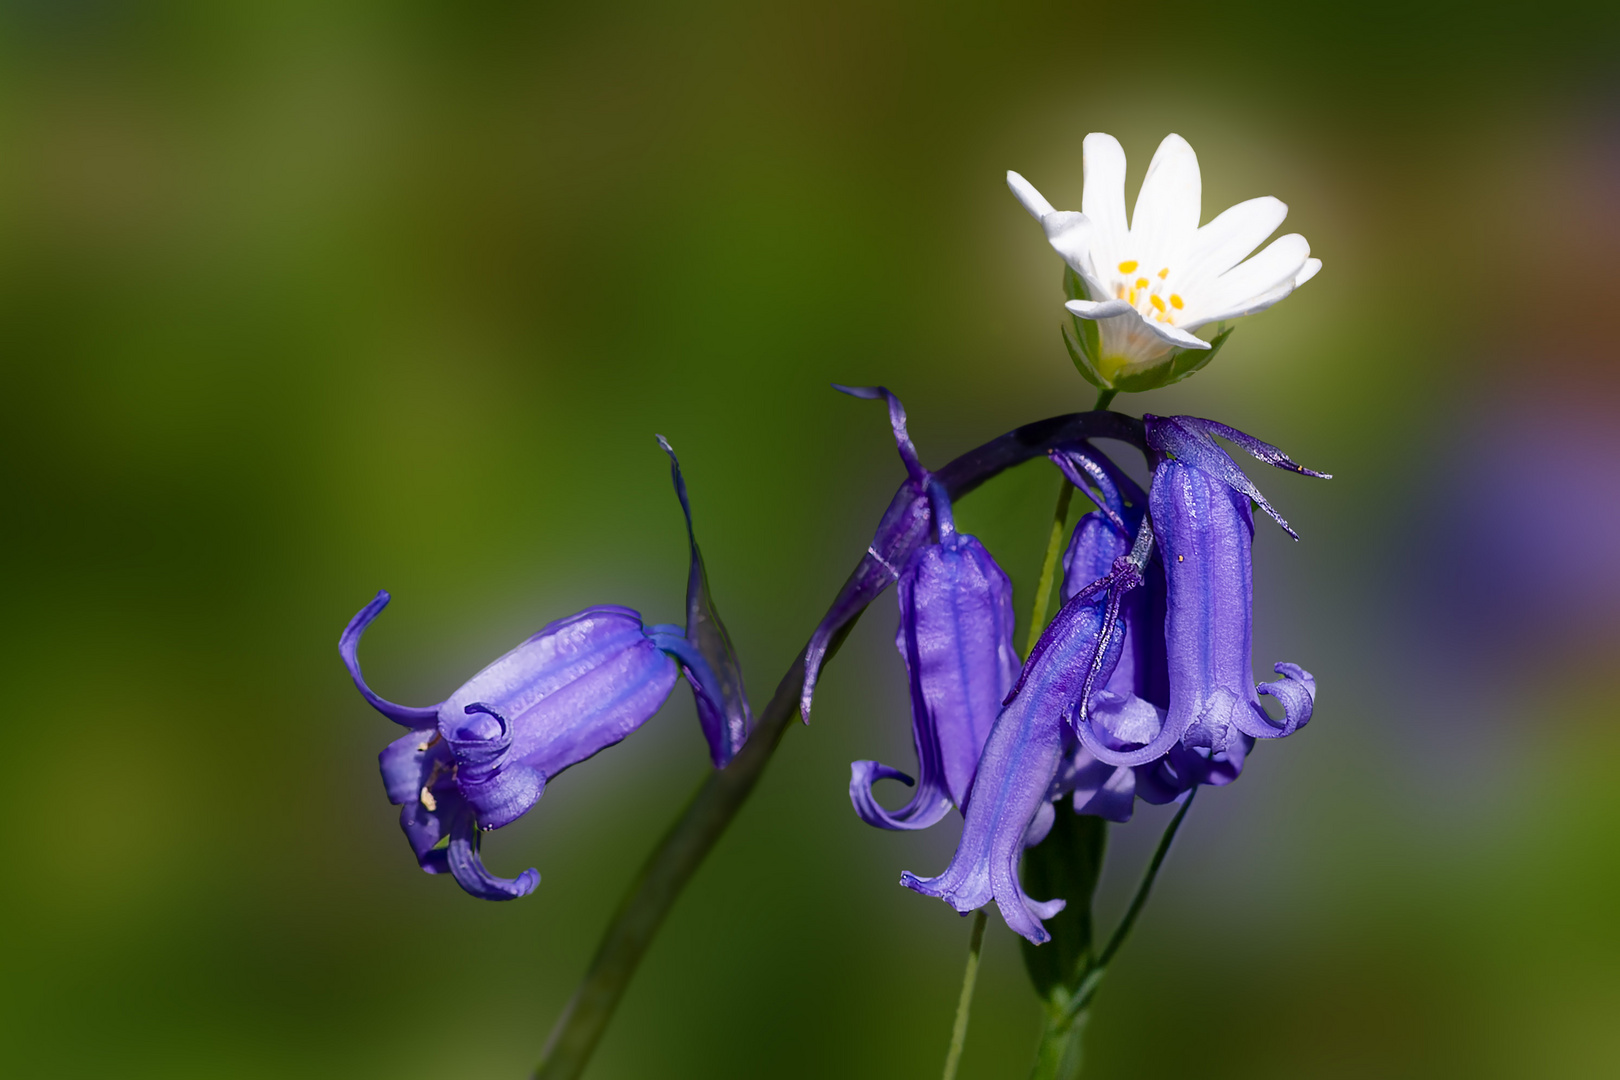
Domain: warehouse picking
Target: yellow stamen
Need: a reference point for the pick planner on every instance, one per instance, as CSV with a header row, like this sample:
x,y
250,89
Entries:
x,y
1127,267
1142,283
1119,291
428,800
1158,303
1175,301
1164,273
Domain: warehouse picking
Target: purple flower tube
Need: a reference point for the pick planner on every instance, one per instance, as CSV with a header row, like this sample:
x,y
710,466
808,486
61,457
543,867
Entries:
x,y
481,759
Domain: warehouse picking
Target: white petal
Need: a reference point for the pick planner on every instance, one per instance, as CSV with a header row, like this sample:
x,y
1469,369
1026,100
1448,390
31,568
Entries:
x,y
1251,306
1166,216
1312,267
1229,239
1180,338
1069,233
1113,309
1239,288
1103,199
1100,309
1026,194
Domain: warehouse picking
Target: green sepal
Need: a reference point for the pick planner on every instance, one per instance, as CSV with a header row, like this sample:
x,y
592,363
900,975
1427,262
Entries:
x,y
1082,362
1066,864
1074,286
1081,341
1181,364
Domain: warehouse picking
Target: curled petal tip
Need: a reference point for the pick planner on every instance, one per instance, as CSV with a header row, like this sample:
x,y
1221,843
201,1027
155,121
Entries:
x,y
897,420
349,649
469,871
917,884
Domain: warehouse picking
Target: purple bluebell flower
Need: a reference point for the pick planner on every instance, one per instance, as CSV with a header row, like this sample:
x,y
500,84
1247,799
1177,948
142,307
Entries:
x,y
1010,806
956,637
1204,527
481,758
1139,678
903,529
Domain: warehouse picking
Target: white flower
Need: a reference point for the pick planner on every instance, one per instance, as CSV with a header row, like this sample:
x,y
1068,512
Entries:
x,y
1152,282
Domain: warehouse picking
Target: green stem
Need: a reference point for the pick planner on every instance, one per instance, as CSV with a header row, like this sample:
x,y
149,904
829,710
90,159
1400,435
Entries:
x,y
1059,1055
1054,546
1104,399
663,876
1140,899
953,1057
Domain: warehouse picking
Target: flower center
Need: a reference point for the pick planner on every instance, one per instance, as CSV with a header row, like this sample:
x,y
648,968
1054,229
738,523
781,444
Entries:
x,y
1149,293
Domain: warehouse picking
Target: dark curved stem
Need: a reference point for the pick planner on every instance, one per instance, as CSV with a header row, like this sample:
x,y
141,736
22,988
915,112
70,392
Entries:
x,y
704,820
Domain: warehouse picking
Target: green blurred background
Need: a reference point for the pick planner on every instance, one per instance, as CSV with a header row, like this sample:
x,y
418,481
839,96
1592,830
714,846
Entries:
x,y
300,300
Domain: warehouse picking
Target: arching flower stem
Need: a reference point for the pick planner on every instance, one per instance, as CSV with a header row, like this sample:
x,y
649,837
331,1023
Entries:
x,y
700,825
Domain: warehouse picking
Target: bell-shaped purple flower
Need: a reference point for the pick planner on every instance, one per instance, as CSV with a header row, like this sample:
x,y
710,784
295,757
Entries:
x,y
956,637
481,758
1139,679
1202,522
1010,806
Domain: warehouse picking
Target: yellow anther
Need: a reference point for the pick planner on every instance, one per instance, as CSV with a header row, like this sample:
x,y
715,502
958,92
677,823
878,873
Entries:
x,y
1175,301
1127,267
1119,291
1164,273
1142,283
428,800
1157,302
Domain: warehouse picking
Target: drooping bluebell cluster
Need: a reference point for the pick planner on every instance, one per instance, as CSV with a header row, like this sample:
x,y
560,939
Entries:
x,y
482,758
1139,688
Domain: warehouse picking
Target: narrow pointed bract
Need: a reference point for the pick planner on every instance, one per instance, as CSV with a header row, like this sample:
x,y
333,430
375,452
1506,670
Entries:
x,y
956,638
902,530
481,759
722,703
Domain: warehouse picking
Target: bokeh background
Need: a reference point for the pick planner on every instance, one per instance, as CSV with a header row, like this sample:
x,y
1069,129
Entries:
x,y
301,300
